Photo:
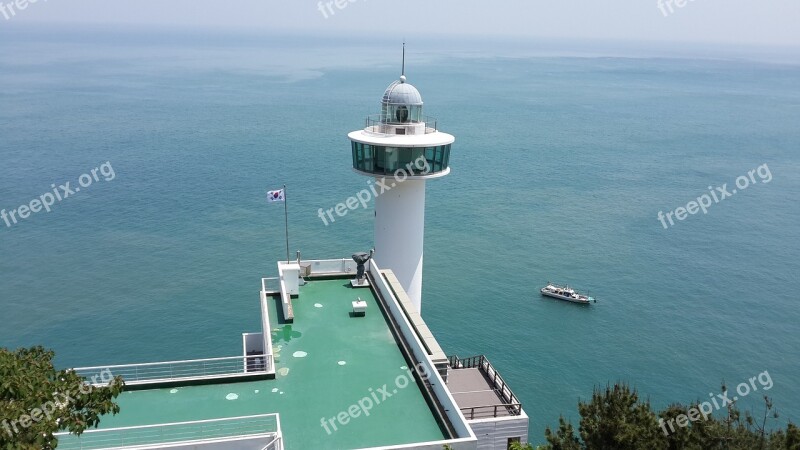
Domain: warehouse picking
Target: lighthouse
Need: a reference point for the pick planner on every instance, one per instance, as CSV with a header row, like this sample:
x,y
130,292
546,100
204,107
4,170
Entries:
x,y
401,149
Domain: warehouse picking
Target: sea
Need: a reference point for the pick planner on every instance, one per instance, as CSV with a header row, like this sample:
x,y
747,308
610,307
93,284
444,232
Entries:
x,y
608,166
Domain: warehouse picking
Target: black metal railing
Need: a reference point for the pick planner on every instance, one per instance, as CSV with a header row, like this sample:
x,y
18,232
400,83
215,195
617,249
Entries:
x,y
377,123
511,405
489,411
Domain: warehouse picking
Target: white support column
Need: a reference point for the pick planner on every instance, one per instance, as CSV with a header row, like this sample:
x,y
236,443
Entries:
x,y
399,233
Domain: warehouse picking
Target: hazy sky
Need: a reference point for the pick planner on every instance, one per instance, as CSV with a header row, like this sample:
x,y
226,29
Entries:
x,y
718,21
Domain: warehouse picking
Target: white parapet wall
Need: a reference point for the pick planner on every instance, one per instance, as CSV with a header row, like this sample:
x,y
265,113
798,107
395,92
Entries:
x,y
286,302
323,267
267,333
455,444
494,433
465,438
290,275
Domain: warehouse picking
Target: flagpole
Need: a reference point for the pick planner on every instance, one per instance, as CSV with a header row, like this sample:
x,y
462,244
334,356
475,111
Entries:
x,y
286,218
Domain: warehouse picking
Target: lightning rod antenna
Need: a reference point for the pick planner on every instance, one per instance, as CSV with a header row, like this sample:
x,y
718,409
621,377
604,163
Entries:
x,y
403,71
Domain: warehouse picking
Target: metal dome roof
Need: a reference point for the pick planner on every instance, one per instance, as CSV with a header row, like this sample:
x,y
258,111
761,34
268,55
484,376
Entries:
x,y
402,93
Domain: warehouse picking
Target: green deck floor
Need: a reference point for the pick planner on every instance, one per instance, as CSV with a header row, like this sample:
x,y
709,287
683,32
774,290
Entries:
x,y
308,388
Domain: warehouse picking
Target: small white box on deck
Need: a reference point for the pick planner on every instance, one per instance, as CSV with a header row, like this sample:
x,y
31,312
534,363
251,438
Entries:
x,y
359,308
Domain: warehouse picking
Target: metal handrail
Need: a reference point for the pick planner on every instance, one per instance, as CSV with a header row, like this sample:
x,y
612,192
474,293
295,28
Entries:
x,y
176,370
157,363
513,409
194,431
274,444
374,122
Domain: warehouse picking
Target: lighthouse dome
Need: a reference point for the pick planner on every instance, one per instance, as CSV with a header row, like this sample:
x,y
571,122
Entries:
x,y
401,103
402,93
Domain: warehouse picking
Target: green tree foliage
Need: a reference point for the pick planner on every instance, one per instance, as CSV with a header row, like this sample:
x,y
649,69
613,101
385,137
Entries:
x,y
564,438
616,418
792,441
36,401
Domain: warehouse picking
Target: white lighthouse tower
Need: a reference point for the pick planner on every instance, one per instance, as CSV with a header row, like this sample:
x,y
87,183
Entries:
x,y
401,149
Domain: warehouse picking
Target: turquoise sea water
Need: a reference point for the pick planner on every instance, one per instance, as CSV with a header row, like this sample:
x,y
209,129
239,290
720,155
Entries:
x,y
560,166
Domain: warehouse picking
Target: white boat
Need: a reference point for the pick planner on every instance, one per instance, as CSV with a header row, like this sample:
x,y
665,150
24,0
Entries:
x,y
566,293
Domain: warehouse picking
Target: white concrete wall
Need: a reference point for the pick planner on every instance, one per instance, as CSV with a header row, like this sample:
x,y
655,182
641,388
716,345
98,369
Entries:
x,y
493,434
290,274
399,233
462,429
455,444
286,301
266,331
333,266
